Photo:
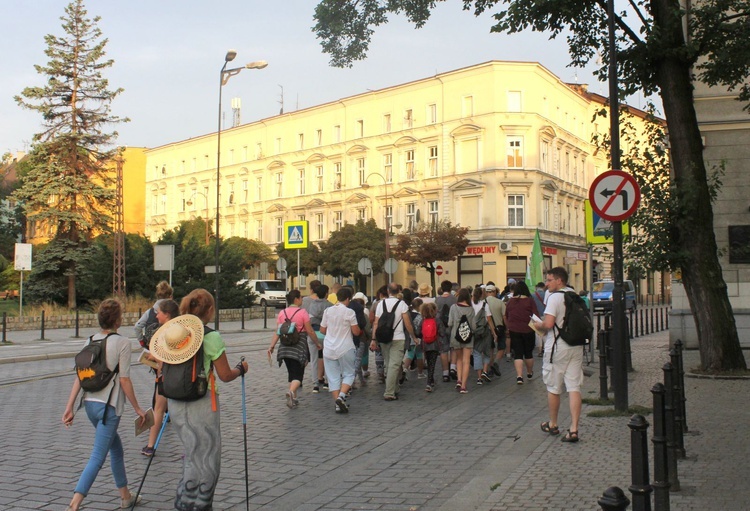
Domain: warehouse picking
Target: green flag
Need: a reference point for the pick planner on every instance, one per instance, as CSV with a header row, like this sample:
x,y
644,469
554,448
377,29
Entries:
x,y
534,270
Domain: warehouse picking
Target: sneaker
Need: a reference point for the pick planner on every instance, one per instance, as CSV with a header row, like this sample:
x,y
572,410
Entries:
x,y
366,374
325,386
486,377
463,391
446,378
428,388
541,354
295,399
289,400
479,381
496,369
130,502
341,405
316,389
519,380
454,375
529,375
147,451
421,376
458,385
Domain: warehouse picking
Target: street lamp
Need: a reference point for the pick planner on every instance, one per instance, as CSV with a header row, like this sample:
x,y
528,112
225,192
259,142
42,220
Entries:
x,y
190,203
387,224
224,77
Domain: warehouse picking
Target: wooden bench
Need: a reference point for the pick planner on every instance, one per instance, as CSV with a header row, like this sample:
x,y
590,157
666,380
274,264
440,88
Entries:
x,y
10,293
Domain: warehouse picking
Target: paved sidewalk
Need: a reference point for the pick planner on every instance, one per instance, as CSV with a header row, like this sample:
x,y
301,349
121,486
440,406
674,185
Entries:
x,y
442,451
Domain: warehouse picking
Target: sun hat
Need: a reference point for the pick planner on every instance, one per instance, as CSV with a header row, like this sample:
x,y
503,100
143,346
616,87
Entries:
x,y
178,339
425,289
490,288
359,295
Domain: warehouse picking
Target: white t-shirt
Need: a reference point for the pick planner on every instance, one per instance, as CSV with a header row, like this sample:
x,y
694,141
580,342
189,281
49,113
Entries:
x,y
338,321
398,321
556,307
478,307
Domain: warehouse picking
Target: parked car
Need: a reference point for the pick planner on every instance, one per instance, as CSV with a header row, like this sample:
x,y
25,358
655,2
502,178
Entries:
x,y
269,292
601,294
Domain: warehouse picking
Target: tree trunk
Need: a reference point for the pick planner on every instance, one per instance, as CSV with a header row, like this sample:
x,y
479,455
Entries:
x,y
694,233
71,291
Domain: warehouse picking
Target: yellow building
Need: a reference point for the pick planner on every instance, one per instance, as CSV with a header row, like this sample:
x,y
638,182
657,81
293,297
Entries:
x,y
134,197
501,147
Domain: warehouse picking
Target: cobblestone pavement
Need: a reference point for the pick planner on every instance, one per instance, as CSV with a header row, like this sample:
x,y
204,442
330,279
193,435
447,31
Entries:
x,y
440,451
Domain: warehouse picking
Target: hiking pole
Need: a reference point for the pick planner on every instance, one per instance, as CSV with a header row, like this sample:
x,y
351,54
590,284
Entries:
x,y
150,459
244,430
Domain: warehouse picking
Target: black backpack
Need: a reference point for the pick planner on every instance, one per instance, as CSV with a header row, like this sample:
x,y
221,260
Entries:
x,y
186,381
577,326
445,313
464,335
288,333
387,323
91,365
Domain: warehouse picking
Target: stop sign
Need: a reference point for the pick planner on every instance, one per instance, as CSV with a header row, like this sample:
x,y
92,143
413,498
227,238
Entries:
x,y
438,270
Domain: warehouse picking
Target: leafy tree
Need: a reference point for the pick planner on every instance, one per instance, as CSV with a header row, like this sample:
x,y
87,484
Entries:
x,y
431,242
68,186
140,276
653,56
309,258
345,247
253,252
11,219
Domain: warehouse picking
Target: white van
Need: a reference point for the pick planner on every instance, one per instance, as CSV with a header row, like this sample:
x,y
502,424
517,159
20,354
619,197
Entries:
x,y
270,292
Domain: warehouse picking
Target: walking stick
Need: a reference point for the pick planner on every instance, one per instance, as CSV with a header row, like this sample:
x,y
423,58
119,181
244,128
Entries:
x,y
244,430
150,459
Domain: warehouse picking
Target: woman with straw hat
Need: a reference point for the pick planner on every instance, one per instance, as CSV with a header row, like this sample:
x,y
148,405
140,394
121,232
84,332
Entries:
x,y
197,422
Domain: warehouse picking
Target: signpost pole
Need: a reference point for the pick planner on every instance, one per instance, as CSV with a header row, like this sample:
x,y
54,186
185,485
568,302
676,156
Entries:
x,y
298,270
20,298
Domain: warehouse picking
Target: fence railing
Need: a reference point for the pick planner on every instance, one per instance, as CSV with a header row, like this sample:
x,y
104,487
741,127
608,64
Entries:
x,y
644,320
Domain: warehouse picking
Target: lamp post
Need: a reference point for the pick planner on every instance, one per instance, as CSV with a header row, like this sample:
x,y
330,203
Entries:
x,y
387,224
190,203
224,77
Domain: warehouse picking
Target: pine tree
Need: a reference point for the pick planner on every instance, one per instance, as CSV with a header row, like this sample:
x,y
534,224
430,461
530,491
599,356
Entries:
x,y
68,189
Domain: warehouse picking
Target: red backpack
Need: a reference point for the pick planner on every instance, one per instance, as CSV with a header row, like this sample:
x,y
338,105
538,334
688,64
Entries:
x,y
429,330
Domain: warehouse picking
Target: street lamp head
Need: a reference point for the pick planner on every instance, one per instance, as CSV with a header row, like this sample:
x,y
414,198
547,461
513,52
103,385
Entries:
x,y
365,186
258,64
189,203
231,54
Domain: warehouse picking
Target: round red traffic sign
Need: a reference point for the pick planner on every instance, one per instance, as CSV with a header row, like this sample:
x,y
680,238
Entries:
x,y
614,195
438,270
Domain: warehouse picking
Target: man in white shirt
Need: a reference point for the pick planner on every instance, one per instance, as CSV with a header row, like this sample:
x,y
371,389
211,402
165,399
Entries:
x,y
393,352
563,364
339,324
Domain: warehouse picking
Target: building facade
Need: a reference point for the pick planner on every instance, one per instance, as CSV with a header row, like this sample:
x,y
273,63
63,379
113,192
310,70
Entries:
x,y
503,148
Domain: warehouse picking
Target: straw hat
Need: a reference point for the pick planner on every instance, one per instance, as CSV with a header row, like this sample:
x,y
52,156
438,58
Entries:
x,y
178,339
425,289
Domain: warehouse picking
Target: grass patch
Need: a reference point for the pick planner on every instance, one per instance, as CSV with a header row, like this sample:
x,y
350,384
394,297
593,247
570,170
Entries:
x,y
6,343
495,486
611,412
9,306
597,401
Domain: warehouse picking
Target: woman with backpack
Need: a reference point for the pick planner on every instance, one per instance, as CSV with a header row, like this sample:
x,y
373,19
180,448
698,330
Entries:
x,y
197,422
462,325
483,336
104,407
432,329
293,354
518,312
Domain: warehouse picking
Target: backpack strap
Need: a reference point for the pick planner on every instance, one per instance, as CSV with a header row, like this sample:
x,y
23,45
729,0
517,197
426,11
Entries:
x,y
393,310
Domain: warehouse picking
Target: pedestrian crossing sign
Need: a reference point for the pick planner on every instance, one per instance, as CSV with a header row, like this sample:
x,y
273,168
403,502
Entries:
x,y
296,234
599,230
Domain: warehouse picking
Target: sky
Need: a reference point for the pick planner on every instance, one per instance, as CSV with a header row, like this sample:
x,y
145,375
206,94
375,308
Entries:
x,y
168,55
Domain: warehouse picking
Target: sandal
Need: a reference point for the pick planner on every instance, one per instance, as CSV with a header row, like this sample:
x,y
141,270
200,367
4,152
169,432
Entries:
x,y
552,430
570,436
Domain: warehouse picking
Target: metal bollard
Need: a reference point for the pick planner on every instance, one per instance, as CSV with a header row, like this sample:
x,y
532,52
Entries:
x,y
242,315
265,316
5,326
670,426
641,487
613,499
677,402
659,439
42,337
77,322
628,353
602,340
679,346
139,313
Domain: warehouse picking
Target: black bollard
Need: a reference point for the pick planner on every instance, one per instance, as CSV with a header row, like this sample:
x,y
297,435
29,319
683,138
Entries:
x,y
602,340
679,346
641,487
613,499
139,313
628,354
670,426
265,316
661,477
5,326
42,337
677,403
243,318
76,322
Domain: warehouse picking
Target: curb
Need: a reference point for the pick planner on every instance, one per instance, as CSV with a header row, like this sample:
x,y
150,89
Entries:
x,y
717,376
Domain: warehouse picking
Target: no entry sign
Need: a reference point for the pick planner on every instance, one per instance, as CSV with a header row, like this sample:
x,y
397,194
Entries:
x,y
614,195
